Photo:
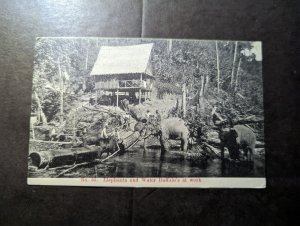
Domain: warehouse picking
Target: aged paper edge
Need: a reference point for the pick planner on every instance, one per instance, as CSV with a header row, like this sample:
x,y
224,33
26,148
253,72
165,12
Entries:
x,y
203,182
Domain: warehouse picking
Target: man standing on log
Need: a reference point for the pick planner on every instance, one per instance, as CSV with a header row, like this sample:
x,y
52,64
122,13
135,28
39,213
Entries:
x,y
126,121
103,134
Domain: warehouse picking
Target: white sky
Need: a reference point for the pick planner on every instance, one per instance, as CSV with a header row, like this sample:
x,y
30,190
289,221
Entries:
x,y
256,49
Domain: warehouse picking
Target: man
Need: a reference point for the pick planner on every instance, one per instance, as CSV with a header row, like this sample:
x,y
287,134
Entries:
x,y
158,116
103,134
126,121
117,134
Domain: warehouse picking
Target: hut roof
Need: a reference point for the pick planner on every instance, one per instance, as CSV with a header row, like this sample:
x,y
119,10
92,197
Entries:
x,y
131,59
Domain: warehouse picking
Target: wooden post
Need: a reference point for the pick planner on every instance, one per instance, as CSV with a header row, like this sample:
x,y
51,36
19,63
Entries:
x,y
96,93
233,63
218,67
117,104
184,100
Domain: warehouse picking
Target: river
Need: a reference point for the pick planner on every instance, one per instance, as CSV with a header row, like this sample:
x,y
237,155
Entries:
x,y
149,163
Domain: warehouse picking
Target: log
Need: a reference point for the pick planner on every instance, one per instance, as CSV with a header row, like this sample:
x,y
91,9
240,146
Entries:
x,y
53,158
214,151
96,109
217,143
241,121
69,156
86,163
50,142
248,121
127,145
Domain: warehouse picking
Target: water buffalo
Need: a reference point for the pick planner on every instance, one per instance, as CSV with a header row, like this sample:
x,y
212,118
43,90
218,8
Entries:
x,y
109,146
236,138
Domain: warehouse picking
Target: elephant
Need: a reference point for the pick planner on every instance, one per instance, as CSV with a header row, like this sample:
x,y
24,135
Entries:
x,y
173,129
145,130
236,138
168,129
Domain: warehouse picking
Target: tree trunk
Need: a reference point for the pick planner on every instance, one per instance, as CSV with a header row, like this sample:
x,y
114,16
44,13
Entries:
x,y
184,100
170,46
201,100
61,117
87,56
206,80
32,128
237,75
41,113
218,67
233,64
86,66
74,126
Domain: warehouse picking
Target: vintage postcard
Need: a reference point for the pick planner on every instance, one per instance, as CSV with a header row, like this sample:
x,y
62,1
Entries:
x,y
139,112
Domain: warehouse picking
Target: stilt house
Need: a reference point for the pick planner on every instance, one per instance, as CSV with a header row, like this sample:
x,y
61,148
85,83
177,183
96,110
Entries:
x,y
124,72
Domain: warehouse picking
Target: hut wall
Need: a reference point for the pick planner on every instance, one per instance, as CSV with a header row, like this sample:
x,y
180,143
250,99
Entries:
x,y
108,84
118,82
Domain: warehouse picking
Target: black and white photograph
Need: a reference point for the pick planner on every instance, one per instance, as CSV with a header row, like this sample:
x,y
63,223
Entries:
x,y
141,112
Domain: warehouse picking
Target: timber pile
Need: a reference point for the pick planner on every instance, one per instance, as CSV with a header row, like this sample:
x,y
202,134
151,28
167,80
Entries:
x,y
49,154
69,156
41,145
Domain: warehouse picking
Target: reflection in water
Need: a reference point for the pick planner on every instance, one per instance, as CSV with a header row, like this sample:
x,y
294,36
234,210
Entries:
x,y
150,163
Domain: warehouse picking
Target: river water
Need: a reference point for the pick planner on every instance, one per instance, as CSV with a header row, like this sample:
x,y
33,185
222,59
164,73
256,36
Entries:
x,y
150,163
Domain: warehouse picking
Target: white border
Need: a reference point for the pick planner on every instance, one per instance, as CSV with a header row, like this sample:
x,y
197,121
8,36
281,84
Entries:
x,y
201,182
